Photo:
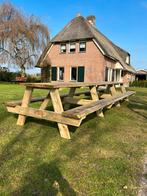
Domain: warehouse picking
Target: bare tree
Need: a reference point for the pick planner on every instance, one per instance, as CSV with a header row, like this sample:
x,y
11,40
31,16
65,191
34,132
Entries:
x,y
22,38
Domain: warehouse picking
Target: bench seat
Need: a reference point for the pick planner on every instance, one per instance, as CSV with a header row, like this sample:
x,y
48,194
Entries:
x,y
37,99
82,111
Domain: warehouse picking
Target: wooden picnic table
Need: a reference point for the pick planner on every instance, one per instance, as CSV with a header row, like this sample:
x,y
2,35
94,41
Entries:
x,y
60,103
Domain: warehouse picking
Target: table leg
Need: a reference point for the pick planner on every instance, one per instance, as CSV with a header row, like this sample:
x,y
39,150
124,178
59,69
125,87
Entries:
x,y
123,90
25,102
95,97
113,93
57,104
71,94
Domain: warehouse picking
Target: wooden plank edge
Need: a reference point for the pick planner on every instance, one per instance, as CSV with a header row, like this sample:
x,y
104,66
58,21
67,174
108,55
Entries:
x,y
45,115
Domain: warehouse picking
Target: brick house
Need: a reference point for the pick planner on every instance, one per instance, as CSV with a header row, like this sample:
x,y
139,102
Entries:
x,y
81,53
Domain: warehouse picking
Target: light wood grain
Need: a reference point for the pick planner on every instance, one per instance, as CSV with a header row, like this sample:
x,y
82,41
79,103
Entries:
x,y
57,104
43,114
25,103
94,96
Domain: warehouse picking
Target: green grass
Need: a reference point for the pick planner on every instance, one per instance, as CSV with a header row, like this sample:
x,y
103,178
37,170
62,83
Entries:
x,y
104,156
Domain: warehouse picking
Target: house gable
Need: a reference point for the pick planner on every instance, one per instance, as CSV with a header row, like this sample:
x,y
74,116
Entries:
x,y
80,29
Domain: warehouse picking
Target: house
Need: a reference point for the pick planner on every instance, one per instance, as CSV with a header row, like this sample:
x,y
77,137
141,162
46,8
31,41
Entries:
x,y
141,75
81,53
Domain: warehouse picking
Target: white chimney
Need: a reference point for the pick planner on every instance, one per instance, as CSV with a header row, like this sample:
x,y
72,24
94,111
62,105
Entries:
x,y
91,19
78,14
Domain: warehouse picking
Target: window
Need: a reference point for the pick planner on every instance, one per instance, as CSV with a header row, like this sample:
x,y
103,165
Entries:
x,y
72,47
63,48
54,73
108,74
128,60
77,74
74,73
82,46
61,73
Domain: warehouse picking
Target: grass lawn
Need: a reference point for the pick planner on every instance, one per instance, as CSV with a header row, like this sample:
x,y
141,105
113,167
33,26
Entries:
x,y
104,156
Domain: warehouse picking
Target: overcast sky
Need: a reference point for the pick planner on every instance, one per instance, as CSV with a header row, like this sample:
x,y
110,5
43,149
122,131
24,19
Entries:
x,y
122,21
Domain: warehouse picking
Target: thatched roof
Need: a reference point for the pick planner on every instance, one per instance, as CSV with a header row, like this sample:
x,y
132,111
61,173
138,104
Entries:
x,y
80,29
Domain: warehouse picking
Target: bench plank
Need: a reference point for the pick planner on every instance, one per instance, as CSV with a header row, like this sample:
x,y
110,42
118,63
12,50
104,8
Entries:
x,y
38,99
82,111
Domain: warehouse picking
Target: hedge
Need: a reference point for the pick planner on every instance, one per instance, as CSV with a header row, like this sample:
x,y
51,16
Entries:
x,y
140,83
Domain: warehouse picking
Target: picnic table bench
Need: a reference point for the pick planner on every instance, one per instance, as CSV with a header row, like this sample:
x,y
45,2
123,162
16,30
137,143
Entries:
x,y
62,113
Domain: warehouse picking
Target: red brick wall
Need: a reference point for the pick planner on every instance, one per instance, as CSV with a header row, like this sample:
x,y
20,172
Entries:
x,y
128,77
92,60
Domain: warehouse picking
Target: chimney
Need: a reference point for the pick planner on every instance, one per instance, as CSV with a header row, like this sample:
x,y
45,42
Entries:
x,y
91,19
78,14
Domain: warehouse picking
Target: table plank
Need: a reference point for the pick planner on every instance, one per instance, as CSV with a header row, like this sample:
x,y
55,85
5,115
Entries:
x,y
54,85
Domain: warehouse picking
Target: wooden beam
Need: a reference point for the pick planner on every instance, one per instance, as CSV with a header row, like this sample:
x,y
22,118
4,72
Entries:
x,y
25,103
77,101
45,102
84,110
94,96
19,102
57,104
43,114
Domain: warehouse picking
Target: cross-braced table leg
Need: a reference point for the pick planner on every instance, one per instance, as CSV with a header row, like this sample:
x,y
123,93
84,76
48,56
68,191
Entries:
x,y
113,93
57,104
45,102
25,103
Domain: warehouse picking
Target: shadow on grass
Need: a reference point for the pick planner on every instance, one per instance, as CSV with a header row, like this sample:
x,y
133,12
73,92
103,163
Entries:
x,y
138,107
46,179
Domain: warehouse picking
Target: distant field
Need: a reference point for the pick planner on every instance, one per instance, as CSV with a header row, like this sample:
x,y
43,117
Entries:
x,y
104,156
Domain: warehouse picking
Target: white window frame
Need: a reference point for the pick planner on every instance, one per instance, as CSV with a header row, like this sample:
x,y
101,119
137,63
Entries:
x,y
58,73
61,48
81,43
128,60
70,47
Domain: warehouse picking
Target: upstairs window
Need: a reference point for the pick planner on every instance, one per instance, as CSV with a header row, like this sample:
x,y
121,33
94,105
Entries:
x,y
128,60
72,47
63,48
82,47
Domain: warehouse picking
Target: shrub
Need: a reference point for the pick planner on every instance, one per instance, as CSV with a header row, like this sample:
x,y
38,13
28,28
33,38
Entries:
x,y
32,78
140,83
7,76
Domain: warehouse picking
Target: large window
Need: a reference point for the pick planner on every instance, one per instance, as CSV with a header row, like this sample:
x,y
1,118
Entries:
x,y
108,74
77,74
72,47
73,73
61,73
82,47
57,73
63,48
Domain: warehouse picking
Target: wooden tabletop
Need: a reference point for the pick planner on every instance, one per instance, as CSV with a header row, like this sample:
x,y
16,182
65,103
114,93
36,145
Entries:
x,y
54,85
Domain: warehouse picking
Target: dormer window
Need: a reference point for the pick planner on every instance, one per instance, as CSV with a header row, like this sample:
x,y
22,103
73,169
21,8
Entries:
x,y
128,60
82,46
63,48
72,47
